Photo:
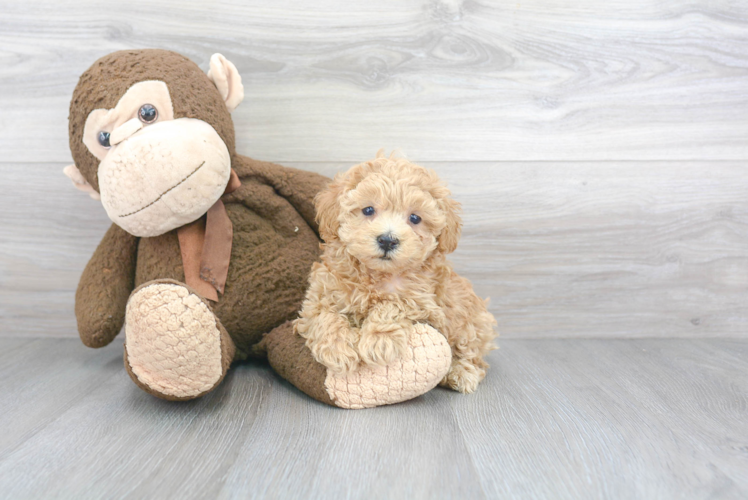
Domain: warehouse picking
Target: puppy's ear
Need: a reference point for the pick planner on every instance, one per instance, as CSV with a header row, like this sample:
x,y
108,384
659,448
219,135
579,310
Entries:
x,y
327,201
327,207
450,235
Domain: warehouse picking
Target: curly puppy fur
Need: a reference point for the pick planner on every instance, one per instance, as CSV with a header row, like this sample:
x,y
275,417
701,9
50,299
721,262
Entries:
x,y
382,271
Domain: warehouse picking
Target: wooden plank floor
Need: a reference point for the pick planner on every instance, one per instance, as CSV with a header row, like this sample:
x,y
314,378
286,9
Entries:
x,y
554,419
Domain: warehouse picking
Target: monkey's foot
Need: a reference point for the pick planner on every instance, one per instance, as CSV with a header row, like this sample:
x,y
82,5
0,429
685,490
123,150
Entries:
x,y
175,347
425,361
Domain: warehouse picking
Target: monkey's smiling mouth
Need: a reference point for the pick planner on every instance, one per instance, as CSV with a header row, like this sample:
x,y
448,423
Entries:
x,y
165,192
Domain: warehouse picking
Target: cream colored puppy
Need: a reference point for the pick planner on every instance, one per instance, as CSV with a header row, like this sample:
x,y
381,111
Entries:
x,y
388,225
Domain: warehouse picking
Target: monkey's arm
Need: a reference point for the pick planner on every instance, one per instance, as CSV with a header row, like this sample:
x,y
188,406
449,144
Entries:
x,y
104,288
299,187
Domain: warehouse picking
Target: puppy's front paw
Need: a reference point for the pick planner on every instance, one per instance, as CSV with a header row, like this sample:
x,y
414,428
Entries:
x,y
381,345
463,376
337,355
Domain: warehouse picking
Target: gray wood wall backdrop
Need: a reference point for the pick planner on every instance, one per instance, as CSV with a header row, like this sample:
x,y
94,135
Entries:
x,y
599,148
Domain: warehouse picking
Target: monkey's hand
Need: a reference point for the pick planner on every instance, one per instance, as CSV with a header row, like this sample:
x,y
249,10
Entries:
x,y
104,288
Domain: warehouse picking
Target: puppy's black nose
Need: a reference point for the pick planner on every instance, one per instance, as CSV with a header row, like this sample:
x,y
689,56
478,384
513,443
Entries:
x,y
387,242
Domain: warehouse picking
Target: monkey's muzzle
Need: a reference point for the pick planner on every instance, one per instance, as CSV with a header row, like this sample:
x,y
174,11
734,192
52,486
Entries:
x,y
164,176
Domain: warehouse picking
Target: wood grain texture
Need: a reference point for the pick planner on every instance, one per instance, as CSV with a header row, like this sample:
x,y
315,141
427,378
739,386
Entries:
x,y
618,249
607,419
553,419
445,80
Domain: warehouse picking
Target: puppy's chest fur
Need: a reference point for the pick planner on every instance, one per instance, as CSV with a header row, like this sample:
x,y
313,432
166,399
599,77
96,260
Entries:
x,y
393,285
414,295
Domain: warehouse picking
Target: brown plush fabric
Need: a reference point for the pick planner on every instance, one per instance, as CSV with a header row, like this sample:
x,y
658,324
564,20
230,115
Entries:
x,y
272,251
104,288
275,239
289,356
193,95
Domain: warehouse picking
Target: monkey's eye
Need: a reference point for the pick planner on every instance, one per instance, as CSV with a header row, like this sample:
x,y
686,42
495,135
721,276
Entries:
x,y
368,211
414,219
104,139
147,113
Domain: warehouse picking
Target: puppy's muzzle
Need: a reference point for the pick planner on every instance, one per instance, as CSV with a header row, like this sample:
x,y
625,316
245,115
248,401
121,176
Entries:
x,y
387,242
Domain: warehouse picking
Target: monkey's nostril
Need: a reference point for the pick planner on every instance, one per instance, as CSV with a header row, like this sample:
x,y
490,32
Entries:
x,y
387,242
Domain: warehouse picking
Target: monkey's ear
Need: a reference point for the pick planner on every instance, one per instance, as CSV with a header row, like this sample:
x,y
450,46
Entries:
x,y
224,75
80,182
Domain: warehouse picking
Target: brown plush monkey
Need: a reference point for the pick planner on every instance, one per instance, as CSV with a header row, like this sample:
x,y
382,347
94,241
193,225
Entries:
x,y
209,250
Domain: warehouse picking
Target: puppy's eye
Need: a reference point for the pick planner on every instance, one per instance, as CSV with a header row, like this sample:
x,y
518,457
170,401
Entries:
x,y
368,211
104,139
414,219
147,113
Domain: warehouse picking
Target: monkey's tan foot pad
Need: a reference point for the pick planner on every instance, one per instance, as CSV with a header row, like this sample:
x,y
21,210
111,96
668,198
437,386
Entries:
x,y
426,362
175,347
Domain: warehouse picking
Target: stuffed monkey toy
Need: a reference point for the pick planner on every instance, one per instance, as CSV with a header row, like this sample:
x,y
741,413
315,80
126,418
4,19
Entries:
x,y
209,255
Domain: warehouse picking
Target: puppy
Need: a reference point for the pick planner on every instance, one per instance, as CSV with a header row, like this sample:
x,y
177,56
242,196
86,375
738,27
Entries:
x,y
388,225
